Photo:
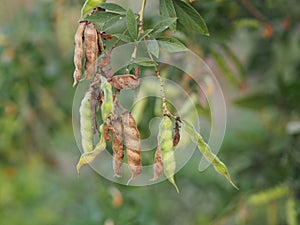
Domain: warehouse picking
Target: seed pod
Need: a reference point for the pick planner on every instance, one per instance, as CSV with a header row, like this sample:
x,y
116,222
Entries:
x,y
219,166
118,146
86,122
158,167
78,52
88,157
168,157
176,137
107,104
126,81
133,145
91,50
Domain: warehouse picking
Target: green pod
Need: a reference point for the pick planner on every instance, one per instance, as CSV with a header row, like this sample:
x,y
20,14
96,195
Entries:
x,y
204,148
107,105
167,151
88,157
86,122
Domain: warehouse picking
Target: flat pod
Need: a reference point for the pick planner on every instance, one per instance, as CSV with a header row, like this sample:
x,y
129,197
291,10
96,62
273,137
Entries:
x,y
78,52
126,81
91,50
133,145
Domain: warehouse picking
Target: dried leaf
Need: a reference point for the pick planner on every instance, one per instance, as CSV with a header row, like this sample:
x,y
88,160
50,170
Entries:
x,y
133,145
127,81
78,52
176,137
91,50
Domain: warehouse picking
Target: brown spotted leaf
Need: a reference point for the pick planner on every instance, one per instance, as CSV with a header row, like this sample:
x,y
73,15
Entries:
x,y
127,81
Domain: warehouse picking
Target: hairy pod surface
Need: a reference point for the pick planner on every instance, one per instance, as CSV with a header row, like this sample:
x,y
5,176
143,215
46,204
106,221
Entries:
x,y
133,145
86,122
78,52
166,145
204,148
91,50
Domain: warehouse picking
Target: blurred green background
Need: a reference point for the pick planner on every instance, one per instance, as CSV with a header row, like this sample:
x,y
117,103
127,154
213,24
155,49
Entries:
x,y
254,49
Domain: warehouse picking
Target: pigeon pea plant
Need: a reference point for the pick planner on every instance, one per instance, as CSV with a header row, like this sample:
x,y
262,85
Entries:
x,y
118,125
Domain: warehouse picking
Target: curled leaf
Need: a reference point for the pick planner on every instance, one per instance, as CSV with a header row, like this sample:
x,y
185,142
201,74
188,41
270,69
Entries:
x,y
133,145
127,81
91,50
78,52
219,166
88,157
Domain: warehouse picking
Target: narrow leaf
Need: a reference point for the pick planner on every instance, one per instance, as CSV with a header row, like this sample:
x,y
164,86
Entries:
x,y
171,44
114,8
112,22
123,37
189,18
101,17
164,24
131,24
204,148
145,62
167,10
153,47
145,34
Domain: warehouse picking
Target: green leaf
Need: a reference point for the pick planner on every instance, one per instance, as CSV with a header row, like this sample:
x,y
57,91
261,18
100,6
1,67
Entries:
x,y
153,47
131,24
164,24
123,37
171,44
112,22
89,5
114,8
222,64
145,62
145,34
189,18
256,101
101,17
167,10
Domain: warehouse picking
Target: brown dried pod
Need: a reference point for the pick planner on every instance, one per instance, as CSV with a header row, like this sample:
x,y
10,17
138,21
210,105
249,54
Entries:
x,y
133,145
78,52
126,81
91,50
118,146
158,167
176,137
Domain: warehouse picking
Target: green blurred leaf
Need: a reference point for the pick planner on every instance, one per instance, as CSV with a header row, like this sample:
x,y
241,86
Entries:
x,y
189,18
167,10
112,22
256,101
114,8
171,44
153,47
123,37
163,25
145,62
102,17
131,24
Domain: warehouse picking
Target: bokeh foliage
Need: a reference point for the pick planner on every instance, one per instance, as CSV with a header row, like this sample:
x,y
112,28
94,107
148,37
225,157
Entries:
x,y
259,73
